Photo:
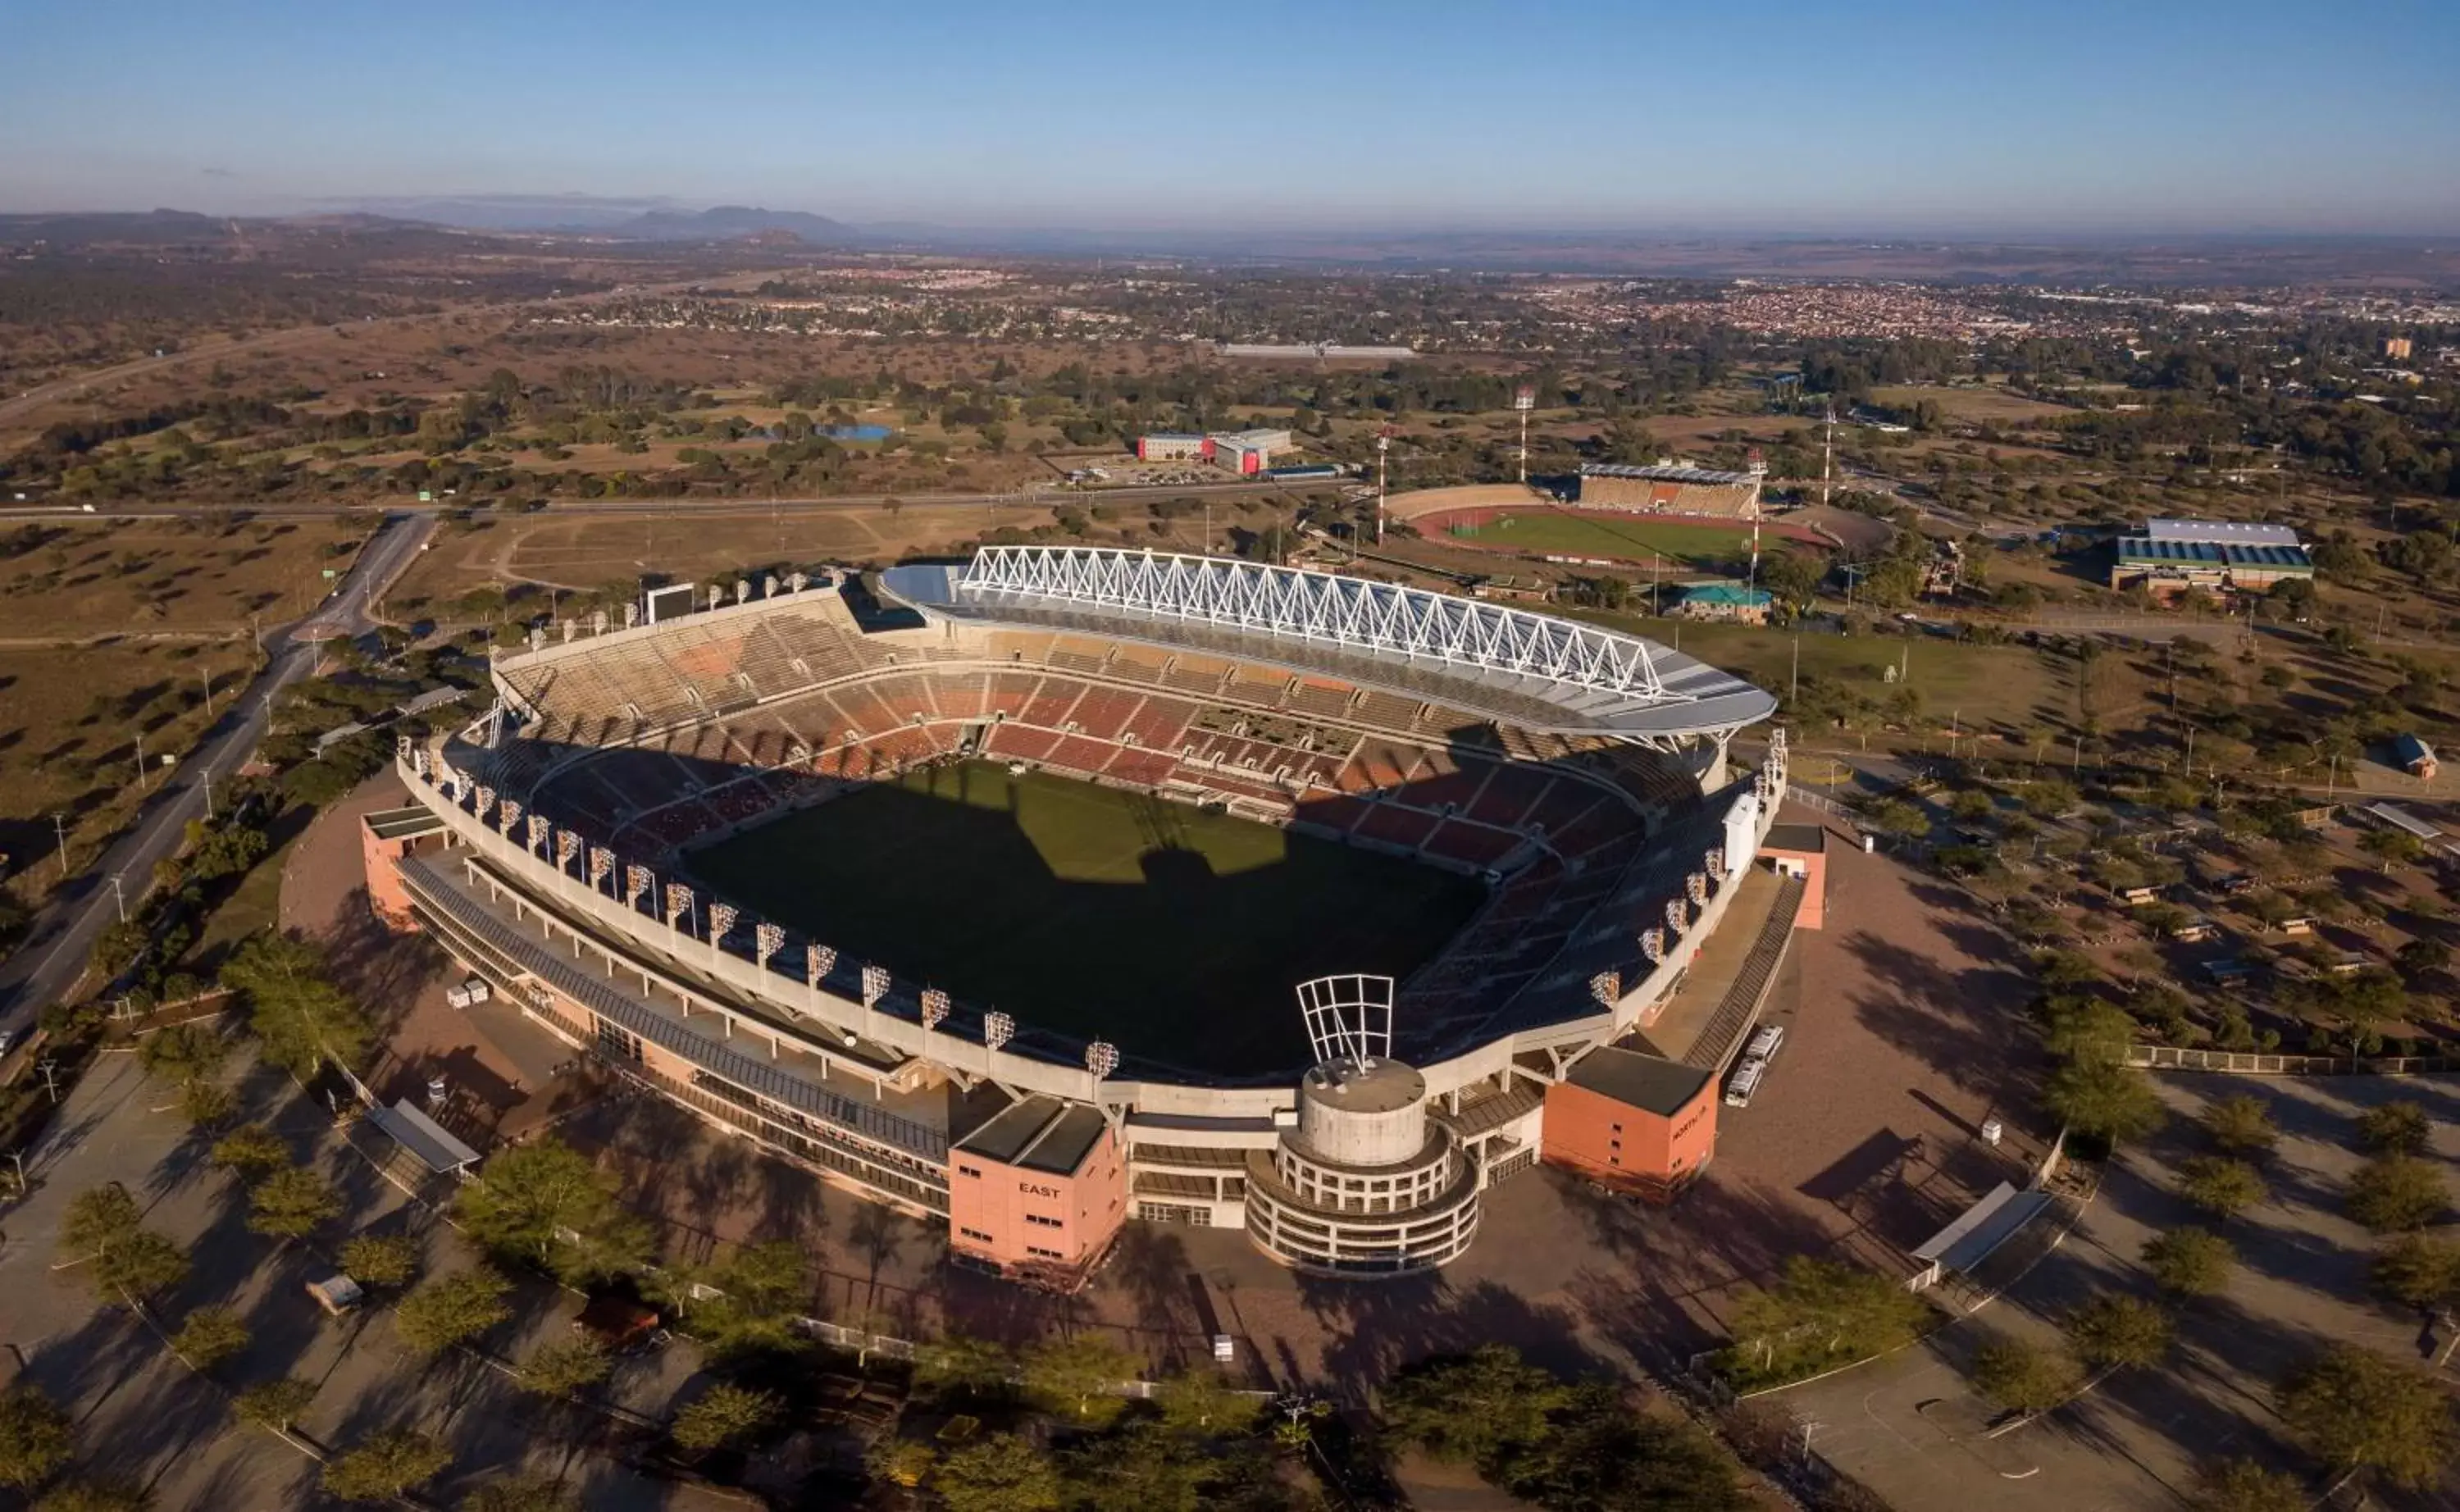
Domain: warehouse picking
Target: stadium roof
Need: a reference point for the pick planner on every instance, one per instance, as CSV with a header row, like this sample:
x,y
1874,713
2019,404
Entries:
x,y
1534,671
2220,533
1670,474
2152,551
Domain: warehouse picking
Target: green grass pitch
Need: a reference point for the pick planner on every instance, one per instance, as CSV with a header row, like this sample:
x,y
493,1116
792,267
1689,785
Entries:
x,y
1564,533
1175,934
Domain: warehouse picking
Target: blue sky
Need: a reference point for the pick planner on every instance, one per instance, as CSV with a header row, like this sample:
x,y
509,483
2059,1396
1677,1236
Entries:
x,y
1999,115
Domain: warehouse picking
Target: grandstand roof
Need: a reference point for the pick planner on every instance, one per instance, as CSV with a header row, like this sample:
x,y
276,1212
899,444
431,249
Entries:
x,y
2220,532
1670,474
1534,671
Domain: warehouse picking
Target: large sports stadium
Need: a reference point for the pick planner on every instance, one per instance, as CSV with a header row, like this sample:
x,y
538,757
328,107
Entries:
x,y
1065,887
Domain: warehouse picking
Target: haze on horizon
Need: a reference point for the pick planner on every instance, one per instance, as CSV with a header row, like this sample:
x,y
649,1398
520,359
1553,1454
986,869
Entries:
x,y
1905,115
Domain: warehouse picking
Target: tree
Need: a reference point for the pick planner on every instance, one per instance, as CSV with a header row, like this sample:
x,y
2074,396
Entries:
x,y
380,1261
2419,1270
2395,1128
102,1228
2359,1411
2104,1100
207,1104
97,1493
2189,1262
1003,1473
452,1309
521,1494
2023,1378
274,1404
960,1366
208,1337
567,1369
1479,1409
528,1197
2220,1186
1203,1403
251,1149
300,1017
1599,1452
36,1438
2394,847
766,1288
2118,1332
723,1414
385,1466
2395,1193
291,1203
2241,1124
2241,1486
181,1054
1821,1313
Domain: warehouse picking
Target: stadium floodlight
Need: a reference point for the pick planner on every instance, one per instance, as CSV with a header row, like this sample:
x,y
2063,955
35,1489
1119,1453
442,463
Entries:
x,y
507,814
631,615
1695,887
721,919
420,763
798,582
486,802
679,902
935,1008
1652,944
1101,1059
567,845
818,961
1348,1017
637,882
767,939
1713,861
602,862
1678,918
1606,987
998,1029
597,622
875,985
538,833
402,747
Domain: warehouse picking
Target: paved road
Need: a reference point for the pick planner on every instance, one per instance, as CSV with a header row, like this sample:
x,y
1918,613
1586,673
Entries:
x,y
55,954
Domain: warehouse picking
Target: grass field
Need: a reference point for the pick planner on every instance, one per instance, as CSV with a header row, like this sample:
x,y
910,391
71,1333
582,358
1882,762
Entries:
x,y
1564,533
1174,933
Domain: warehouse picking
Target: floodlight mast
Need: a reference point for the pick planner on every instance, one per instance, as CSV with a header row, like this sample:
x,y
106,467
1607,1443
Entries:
x,y
1348,1017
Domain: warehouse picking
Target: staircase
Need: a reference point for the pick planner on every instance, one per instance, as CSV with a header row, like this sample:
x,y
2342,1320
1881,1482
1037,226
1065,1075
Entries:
x,y
1740,1009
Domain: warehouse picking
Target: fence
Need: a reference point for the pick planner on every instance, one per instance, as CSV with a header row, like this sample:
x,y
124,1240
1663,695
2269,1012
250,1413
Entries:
x,y
2251,1063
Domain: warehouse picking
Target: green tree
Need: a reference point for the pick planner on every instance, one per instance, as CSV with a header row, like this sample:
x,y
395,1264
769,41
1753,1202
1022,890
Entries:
x,y
2023,1378
2118,1332
207,1104
531,1200
1074,1376
2395,1128
209,1336
2394,847
251,1149
1204,1402
291,1203
121,1256
2189,1262
1003,1473
182,1053
2395,1193
274,1404
2219,1186
2359,1411
299,1015
2241,1124
1820,1314
567,1369
2241,1486
1599,1452
964,1366
380,1261
386,1467
97,1493
35,1437
723,1414
1479,1409
766,1288
2103,1099
452,1309
521,1494
2419,1270
1144,1467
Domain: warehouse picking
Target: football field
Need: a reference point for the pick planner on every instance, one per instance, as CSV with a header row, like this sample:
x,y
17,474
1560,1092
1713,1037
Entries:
x,y
1624,537
1174,933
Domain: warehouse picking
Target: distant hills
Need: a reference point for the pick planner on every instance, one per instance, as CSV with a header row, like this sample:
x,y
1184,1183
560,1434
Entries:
x,y
727,221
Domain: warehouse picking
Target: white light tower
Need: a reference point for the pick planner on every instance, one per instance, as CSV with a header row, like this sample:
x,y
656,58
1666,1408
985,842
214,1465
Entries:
x,y
1348,1018
1524,399
1383,477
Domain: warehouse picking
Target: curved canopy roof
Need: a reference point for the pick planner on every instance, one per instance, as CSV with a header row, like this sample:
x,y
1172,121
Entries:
x,y
1535,671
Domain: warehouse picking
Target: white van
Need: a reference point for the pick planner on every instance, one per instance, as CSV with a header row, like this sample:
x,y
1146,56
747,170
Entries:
x,y
1764,1044
1745,1081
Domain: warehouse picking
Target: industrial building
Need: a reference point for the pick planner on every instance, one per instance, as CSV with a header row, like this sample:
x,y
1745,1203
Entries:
x,y
2175,557
1167,446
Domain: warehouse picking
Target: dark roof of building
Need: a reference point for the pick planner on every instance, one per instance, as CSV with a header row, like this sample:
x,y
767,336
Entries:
x,y
2149,551
2411,750
1038,1134
1662,1087
1811,839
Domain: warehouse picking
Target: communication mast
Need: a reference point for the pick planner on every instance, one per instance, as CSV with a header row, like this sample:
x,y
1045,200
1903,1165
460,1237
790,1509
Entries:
x,y
1827,451
1524,399
1383,477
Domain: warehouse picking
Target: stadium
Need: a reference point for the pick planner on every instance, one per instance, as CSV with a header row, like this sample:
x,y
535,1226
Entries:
x,y
1065,887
